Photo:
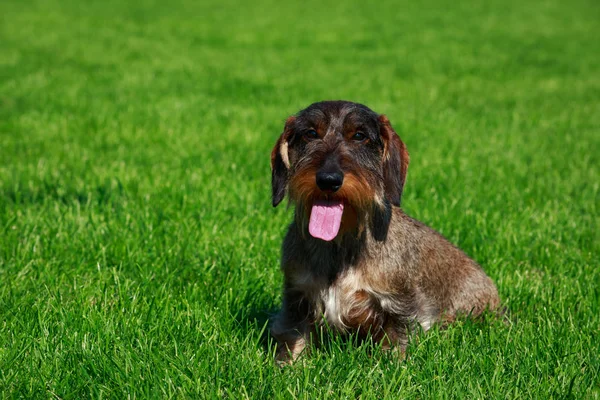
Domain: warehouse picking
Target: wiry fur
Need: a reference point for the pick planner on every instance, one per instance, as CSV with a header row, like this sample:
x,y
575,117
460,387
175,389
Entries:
x,y
385,273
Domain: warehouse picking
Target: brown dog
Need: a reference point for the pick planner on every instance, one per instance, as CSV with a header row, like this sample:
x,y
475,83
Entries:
x,y
351,258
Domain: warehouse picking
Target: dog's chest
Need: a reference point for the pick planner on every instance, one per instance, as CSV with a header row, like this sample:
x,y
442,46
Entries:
x,y
346,303
331,303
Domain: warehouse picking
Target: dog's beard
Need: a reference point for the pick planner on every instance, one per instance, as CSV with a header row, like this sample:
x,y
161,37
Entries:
x,y
327,216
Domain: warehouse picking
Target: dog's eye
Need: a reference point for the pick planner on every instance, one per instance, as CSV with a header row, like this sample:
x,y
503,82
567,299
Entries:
x,y
311,134
359,136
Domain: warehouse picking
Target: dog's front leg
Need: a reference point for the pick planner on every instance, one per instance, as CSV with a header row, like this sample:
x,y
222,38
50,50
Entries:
x,y
293,326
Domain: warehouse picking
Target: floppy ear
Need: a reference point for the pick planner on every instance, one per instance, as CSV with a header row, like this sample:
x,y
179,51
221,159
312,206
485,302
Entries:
x,y
280,163
395,161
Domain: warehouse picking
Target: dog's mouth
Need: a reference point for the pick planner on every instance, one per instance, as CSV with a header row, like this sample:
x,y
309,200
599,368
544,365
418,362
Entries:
x,y
326,218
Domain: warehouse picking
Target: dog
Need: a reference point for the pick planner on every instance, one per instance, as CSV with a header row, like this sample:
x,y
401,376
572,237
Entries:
x,y
352,259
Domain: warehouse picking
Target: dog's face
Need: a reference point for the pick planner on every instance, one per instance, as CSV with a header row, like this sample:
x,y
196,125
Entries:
x,y
342,164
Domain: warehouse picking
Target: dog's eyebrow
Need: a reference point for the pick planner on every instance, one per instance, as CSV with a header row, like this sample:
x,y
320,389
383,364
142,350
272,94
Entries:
x,y
313,114
360,119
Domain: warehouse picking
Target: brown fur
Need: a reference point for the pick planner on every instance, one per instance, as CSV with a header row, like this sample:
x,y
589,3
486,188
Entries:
x,y
385,273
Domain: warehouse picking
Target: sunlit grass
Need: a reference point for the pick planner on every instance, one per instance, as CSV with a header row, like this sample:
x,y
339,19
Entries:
x,y
138,248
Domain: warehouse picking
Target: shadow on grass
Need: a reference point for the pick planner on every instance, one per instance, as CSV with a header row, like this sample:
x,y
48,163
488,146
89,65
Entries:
x,y
256,321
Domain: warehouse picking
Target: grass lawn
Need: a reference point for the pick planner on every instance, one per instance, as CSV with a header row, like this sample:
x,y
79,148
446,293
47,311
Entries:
x,y
139,252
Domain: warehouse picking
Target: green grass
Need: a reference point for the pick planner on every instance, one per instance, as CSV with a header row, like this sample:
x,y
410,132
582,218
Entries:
x,y
138,247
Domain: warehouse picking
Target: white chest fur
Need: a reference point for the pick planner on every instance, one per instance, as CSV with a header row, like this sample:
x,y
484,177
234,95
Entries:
x,y
339,302
333,312
351,298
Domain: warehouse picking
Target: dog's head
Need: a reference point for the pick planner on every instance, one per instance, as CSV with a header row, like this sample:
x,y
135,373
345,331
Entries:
x,y
343,166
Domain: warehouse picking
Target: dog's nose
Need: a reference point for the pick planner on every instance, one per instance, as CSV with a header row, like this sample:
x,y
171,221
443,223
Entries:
x,y
330,181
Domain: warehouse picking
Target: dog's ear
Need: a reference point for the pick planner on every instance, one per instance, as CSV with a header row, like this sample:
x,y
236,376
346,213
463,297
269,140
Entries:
x,y
280,163
380,221
395,161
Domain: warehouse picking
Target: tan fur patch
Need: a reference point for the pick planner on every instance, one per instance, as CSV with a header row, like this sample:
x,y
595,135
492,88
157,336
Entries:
x,y
283,150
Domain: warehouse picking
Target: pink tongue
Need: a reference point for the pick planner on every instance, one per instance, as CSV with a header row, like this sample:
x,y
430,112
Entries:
x,y
325,219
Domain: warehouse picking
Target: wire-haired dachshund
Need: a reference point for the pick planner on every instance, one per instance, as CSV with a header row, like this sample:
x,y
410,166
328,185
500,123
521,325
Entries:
x,y
352,260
